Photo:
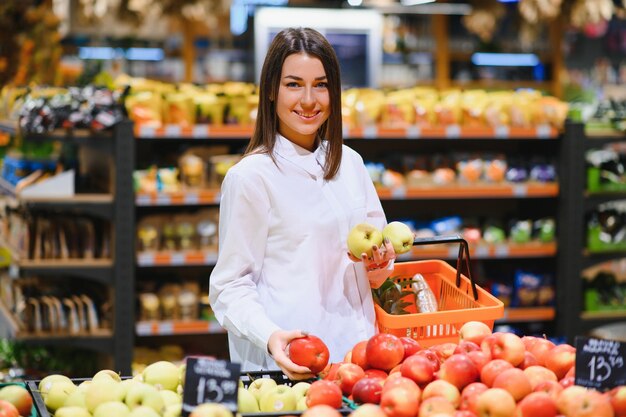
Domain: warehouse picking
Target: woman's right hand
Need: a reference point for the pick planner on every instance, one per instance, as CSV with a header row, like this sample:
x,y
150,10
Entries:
x,y
277,347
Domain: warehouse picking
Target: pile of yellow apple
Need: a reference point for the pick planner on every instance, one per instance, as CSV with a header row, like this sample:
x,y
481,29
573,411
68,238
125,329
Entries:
x,y
266,395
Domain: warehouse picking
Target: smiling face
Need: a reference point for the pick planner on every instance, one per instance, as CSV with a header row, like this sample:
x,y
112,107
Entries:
x,y
303,101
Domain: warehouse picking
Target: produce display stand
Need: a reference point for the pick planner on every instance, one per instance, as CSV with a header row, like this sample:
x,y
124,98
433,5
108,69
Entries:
x,y
34,410
458,297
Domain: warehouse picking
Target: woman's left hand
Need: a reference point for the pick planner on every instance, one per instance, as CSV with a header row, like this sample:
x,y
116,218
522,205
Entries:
x,y
381,256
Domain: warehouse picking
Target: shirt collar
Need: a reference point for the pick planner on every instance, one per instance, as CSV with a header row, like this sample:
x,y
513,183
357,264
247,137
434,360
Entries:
x,y
311,162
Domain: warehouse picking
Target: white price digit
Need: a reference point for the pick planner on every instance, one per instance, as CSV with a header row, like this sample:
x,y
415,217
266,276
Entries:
x,y
201,385
229,387
596,364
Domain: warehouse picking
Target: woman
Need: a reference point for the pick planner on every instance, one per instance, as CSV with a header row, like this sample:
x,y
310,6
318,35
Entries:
x,y
286,210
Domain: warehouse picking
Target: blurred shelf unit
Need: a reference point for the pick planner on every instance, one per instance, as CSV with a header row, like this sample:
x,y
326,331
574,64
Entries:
x,y
177,327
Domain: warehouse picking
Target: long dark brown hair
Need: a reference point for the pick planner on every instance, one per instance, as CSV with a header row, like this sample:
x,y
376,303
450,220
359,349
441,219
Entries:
x,y
287,42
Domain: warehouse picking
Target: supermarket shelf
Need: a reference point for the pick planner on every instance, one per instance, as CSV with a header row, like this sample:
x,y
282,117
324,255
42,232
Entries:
x,y
177,327
371,132
100,341
593,199
8,326
100,270
484,251
469,191
176,258
181,198
594,258
502,84
592,319
96,204
8,126
87,137
597,139
523,314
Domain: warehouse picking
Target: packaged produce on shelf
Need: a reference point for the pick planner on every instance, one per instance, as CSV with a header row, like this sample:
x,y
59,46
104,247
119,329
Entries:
x,y
606,227
531,289
606,169
172,301
604,286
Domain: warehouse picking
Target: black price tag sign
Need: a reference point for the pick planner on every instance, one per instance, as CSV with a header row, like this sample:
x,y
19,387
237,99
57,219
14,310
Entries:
x,y
600,363
210,381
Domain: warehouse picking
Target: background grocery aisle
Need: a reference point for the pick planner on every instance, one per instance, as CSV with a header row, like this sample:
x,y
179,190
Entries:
x,y
110,222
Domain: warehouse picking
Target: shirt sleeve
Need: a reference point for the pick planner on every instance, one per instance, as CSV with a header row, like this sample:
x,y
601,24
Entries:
x,y
243,228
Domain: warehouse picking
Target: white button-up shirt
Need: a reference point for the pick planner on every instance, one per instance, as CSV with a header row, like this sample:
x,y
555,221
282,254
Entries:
x,y
283,260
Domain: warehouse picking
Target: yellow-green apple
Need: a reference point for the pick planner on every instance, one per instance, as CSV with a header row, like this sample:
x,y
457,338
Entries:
x,y
324,392
514,381
76,398
495,402
384,351
301,404
182,369
536,404
569,398
411,346
301,388
173,410
431,355
46,383
347,375
58,393
107,373
211,410
7,409
321,410
552,388
618,400
459,370
362,238
435,406
112,408
503,345
537,374
479,358
83,385
358,355
418,368
19,397
144,394
261,385
368,390
102,391
441,388
163,374
279,399
474,331
492,369
469,396
400,235
170,397
143,411
309,351
368,410
560,359
127,383
400,401
246,402
590,404
72,411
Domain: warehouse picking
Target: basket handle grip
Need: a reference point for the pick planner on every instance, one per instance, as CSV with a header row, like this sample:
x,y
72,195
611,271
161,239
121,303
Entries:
x,y
463,254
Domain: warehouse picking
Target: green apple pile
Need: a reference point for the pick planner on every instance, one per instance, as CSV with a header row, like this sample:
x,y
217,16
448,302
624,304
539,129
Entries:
x,y
266,395
364,236
156,392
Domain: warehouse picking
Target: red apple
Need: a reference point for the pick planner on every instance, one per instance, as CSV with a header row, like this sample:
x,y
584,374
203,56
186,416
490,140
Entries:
x,y
435,406
19,397
537,374
384,351
507,346
400,381
8,410
463,413
321,410
492,369
479,358
400,401
552,388
465,346
560,359
309,351
529,341
431,356
444,350
529,360
357,354
330,371
571,372
347,375
514,381
411,346
495,402
375,373
537,404
589,403
474,331
368,390
368,410
418,368
459,370
469,396
324,392
441,388
539,349
618,400
396,369
567,382
569,397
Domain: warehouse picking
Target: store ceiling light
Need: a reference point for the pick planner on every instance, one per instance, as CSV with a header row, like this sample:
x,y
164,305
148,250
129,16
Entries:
x,y
355,3
505,60
415,2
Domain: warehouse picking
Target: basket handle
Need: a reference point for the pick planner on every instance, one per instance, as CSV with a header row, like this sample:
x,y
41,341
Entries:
x,y
463,253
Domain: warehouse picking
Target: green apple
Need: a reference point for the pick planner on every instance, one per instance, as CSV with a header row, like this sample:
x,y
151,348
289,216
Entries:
x,y
173,410
142,394
143,411
301,405
279,399
58,393
260,386
400,235
76,398
72,411
361,239
127,383
103,391
107,373
112,408
300,389
164,374
170,397
246,401
83,385
46,383
211,410
182,369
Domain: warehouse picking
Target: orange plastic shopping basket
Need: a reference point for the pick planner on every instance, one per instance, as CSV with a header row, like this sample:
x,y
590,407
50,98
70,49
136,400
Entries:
x,y
459,298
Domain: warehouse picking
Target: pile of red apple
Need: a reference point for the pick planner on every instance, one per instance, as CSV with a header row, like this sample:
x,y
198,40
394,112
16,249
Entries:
x,y
485,374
